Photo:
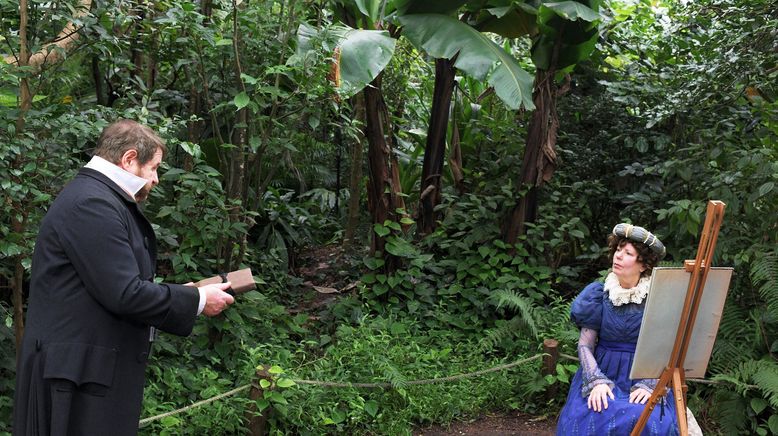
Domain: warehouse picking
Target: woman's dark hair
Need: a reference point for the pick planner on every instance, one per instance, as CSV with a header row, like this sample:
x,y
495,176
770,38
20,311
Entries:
x,y
646,255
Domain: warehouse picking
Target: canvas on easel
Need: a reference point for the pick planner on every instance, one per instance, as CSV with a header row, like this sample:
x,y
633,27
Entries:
x,y
663,314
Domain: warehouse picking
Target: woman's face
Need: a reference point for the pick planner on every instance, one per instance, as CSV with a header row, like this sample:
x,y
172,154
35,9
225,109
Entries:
x,y
626,265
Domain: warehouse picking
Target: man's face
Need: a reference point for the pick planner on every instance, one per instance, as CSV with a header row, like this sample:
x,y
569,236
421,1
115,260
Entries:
x,y
146,171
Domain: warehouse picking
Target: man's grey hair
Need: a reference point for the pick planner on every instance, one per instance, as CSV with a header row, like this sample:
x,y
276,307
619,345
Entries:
x,y
123,135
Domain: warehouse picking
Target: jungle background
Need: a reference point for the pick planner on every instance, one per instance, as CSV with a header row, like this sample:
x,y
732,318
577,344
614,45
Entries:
x,y
420,188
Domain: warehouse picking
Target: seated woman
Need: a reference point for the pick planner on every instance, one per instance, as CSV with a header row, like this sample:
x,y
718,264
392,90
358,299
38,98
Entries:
x,y
603,400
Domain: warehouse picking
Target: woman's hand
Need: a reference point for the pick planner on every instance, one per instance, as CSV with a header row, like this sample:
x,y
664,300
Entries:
x,y
639,395
598,398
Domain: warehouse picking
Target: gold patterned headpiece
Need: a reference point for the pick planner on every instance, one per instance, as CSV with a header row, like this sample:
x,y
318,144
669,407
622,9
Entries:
x,y
639,234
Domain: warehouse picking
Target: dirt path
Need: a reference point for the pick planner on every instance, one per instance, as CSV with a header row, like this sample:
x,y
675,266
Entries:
x,y
507,424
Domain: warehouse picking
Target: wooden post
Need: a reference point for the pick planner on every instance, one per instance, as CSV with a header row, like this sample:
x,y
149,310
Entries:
x,y
257,421
550,359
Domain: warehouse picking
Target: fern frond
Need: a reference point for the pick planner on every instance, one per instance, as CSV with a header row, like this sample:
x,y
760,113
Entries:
x,y
734,344
764,274
729,410
766,377
504,330
727,355
393,375
523,305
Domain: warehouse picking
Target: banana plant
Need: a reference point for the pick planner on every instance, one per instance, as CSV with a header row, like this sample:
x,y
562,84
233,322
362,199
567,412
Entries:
x,y
361,49
567,33
456,39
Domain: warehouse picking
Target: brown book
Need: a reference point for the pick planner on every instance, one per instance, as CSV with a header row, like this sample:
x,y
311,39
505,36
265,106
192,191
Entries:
x,y
241,280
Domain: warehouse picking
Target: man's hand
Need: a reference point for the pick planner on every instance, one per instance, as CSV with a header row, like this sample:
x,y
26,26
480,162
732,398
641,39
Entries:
x,y
639,395
598,398
216,300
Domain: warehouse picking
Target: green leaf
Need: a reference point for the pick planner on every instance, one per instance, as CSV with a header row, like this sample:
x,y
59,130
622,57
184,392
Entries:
x,y
773,424
363,55
371,407
264,383
758,405
572,10
170,421
285,383
400,247
428,6
369,8
275,369
766,188
262,404
241,100
442,36
509,22
380,230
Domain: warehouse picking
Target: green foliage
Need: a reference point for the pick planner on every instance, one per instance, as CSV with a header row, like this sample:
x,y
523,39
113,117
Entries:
x,y
192,221
678,106
756,401
764,274
391,350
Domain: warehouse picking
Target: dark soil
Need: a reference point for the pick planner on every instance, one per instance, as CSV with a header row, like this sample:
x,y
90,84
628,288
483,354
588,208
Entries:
x,y
506,424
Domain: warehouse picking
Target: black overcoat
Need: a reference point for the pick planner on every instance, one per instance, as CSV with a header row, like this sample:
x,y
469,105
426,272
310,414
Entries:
x,y
92,302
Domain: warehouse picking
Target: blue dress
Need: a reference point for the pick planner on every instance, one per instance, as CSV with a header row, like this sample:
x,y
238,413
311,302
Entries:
x,y
618,328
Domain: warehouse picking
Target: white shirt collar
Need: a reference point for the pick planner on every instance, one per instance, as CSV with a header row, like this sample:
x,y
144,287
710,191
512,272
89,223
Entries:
x,y
126,180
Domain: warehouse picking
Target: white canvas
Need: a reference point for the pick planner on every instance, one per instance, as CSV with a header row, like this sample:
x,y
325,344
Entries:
x,y
663,314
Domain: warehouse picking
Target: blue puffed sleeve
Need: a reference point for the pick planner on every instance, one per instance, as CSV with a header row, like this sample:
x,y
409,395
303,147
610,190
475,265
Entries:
x,y
587,307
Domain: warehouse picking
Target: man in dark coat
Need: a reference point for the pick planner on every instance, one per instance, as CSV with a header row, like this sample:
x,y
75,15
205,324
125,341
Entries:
x,y
94,305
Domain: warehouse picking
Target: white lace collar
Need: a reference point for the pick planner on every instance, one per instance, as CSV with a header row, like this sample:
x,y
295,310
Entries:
x,y
620,296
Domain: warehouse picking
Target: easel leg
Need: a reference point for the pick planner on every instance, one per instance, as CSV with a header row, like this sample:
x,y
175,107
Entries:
x,y
680,402
664,380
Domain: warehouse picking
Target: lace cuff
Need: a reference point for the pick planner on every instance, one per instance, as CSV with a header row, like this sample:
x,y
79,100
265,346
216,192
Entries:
x,y
589,382
592,376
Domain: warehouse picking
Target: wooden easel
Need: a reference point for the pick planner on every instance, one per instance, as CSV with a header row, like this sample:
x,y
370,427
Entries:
x,y
674,374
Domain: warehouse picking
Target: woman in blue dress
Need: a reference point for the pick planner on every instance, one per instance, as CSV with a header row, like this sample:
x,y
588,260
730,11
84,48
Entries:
x,y
603,400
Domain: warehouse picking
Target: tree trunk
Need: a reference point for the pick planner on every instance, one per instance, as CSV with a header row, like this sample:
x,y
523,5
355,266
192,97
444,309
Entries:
x,y
382,191
19,219
237,157
539,156
455,158
52,52
355,177
435,152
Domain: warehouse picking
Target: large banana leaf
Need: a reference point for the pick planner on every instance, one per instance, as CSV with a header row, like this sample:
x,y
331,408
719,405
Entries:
x,y
428,6
569,10
508,21
369,8
442,36
575,22
363,55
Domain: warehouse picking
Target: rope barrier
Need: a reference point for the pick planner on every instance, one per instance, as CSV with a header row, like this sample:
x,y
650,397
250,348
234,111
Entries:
x,y
567,356
146,421
418,382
